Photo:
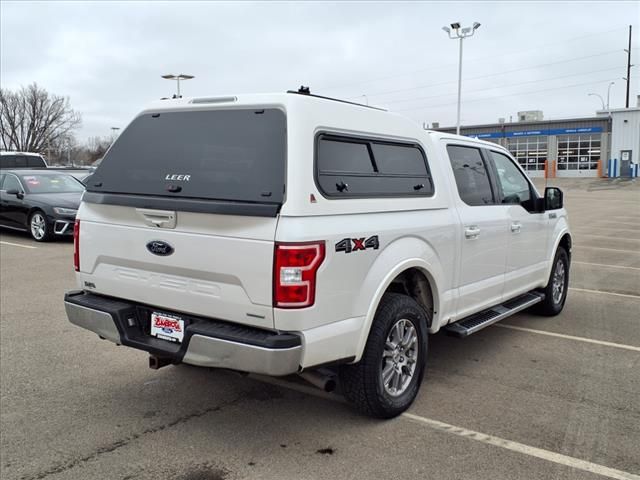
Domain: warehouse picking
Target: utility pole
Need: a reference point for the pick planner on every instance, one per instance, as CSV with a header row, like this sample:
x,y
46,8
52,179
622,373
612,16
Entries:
x,y
628,79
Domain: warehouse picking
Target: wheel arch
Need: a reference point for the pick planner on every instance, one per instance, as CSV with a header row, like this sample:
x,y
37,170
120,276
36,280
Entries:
x,y
418,272
562,239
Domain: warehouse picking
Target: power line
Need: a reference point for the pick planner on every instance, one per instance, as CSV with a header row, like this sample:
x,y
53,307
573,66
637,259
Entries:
x,y
334,87
505,85
494,74
422,107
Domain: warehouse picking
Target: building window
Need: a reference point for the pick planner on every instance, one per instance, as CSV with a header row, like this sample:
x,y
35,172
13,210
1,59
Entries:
x,y
531,152
578,152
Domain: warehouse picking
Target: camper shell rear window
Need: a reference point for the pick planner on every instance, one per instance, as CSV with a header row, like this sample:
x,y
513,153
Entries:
x,y
225,155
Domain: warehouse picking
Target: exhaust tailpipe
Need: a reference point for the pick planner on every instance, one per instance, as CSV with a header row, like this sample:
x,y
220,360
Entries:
x,y
158,362
323,381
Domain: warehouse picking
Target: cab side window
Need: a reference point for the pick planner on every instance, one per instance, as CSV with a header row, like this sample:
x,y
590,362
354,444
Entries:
x,y
367,167
515,187
472,177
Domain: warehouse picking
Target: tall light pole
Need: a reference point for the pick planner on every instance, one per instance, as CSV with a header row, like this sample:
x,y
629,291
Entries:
x,y
177,78
114,133
609,95
460,33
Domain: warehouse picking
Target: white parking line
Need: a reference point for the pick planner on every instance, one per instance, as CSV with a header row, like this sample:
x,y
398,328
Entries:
x,y
601,292
625,218
591,228
517,447
524,449
605,248
605,265
16,244
613,221
569,337
617,237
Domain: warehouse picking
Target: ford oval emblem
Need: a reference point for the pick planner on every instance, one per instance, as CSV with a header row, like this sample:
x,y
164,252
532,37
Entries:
x,y
158,247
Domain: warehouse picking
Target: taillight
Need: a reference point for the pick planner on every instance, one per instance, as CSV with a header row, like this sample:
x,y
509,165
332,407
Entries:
x,y
294,273
76,245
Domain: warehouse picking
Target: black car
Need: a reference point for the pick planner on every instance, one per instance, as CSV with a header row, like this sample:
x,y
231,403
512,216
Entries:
x,y
43,203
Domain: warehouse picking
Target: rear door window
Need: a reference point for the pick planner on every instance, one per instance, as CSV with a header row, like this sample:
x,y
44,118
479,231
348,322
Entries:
x,y
362,167
7,161
472,176
235,155
14,161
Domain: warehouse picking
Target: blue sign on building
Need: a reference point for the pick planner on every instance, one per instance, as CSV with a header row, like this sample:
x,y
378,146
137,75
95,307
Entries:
x,y
531,133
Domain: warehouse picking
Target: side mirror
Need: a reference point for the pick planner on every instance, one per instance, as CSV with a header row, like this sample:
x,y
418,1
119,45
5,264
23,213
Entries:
x,y
16,192
553,198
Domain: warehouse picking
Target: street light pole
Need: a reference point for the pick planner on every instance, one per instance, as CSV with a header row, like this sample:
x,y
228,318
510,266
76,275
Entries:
x,y
460,33
609,96
177,78
459,86
114,132
599,96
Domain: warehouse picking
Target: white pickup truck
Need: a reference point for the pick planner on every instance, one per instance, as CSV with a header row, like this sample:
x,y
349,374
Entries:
x,y
290,233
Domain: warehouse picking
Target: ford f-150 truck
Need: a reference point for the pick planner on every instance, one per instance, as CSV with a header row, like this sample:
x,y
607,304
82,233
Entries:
x,y
288,233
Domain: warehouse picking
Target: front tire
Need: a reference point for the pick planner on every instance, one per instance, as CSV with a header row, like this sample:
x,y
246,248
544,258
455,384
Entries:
x,y
556,290
39,228
385,382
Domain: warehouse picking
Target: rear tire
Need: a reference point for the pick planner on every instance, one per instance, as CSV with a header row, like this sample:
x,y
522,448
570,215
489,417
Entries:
x,y
39,228
556,290
386,380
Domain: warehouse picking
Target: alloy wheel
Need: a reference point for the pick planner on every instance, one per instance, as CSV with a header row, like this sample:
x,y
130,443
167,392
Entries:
x,y
399,357
38,226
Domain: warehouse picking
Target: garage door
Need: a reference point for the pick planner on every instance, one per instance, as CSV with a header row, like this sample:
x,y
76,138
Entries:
x,y
578,155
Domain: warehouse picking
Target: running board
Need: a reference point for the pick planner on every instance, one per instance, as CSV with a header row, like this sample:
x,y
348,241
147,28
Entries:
x,y
483,319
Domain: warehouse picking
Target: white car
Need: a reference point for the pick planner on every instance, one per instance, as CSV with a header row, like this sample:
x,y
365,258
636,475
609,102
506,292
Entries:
x,y
278,234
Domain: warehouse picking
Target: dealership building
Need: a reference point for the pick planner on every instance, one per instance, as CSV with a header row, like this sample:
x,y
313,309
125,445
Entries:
x,y
605,145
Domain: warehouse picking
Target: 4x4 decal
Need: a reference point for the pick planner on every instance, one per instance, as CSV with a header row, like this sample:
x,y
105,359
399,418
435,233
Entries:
x,y
348,245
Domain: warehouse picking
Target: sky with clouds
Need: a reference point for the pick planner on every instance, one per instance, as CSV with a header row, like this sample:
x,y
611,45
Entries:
x,y
108,56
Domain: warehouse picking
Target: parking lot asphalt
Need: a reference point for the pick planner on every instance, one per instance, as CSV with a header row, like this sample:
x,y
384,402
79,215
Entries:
x,y
530,398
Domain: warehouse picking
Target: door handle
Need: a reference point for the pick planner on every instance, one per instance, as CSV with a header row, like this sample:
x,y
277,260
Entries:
x,y
471,232
158,218
516,227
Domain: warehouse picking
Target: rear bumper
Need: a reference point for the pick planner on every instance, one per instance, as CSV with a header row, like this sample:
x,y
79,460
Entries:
x,y
206,342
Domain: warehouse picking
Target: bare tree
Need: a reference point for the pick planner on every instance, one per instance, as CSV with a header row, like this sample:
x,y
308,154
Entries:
x,y
32,119
96,147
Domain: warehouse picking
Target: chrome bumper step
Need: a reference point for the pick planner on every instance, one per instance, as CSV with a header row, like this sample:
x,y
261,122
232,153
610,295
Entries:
x,y
480,320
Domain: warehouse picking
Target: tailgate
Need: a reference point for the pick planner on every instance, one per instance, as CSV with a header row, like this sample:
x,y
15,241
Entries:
x,y
219,266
